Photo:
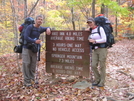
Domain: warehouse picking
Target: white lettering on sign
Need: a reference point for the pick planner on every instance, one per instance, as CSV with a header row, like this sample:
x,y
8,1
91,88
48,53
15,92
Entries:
x,y
77,45
69,44
77,33
56,38
56,66
54,49
79,68
77,73
80,38
68,33
61,60
64,49
63,44
54,33
58,55
60,71
69,38
62,33
78,50
69,61
74,56
69,72
66,60
60,44
69,67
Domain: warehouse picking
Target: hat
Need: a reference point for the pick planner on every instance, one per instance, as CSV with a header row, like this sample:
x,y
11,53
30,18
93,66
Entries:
x,y
90,20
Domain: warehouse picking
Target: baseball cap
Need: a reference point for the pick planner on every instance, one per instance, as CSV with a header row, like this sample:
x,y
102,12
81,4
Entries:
x,y
90,20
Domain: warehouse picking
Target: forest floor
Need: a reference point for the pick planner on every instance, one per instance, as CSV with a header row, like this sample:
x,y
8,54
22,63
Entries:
x,y
119,81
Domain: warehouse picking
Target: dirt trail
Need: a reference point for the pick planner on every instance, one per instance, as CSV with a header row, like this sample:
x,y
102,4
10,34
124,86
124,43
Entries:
x,y
119,84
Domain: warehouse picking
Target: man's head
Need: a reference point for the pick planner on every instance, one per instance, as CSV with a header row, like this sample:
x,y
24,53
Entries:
x,y
38,20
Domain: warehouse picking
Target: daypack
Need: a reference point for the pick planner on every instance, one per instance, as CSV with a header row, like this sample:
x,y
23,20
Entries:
x,y
105,23
27,22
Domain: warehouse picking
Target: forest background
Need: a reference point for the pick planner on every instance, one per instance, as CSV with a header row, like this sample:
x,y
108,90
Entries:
x,y
67,15
62,15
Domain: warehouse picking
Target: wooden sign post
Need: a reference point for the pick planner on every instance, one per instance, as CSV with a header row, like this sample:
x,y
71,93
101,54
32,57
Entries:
x,y
67,52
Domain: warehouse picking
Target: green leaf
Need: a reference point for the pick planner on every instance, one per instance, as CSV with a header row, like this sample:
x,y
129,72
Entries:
x,y
38,98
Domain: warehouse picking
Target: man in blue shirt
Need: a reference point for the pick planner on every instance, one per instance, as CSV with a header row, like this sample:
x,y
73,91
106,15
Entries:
x,y
29,58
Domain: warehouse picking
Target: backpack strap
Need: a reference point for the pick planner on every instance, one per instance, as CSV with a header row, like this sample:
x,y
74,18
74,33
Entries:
x,y
32,29
25,42
98,29
90,30
94,32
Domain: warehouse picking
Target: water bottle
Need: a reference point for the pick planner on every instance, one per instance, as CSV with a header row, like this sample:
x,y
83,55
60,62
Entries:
x,y
35,38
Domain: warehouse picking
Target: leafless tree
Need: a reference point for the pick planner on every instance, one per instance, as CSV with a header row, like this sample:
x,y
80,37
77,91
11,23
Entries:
x,y
93,8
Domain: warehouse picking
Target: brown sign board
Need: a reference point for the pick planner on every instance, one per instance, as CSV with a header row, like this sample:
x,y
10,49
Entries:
x,y
67,52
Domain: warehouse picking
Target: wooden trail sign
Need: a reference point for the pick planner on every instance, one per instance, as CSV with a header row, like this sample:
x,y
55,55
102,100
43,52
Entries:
x,y
67,52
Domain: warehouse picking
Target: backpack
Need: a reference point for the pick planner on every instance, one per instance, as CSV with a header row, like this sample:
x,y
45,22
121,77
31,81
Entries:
x,y
105,23
27,22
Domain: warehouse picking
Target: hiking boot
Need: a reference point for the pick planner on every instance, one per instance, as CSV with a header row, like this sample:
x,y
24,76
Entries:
x,y
100,85
28,85
95,83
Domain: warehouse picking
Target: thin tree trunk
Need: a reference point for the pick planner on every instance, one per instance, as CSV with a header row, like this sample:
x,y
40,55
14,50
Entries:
x,y
15,29
14,22
116,23
25,9
102,9
73,23
93,8
106,11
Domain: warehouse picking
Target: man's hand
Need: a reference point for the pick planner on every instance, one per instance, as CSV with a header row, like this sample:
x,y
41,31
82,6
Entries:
x,y
38,41
48,31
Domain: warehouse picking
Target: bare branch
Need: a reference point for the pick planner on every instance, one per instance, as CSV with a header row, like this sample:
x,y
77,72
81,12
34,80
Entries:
x,y
33,8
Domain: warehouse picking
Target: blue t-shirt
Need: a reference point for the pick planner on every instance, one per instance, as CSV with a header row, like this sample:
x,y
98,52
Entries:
x,y
32,33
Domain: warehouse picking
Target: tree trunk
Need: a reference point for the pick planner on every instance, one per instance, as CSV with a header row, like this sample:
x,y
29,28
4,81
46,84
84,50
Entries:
x,y
106,11
93,8
116,23
102,9
25,9
15,31
73,22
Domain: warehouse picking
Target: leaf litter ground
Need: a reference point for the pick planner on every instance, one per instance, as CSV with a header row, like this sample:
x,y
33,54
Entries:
x,y
119,81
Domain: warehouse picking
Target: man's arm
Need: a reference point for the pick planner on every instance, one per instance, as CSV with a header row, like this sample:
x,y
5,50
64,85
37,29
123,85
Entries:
x,y
46,29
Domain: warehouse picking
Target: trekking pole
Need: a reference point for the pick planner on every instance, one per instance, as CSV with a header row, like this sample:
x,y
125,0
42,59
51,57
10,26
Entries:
x,y
91,64
37,64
